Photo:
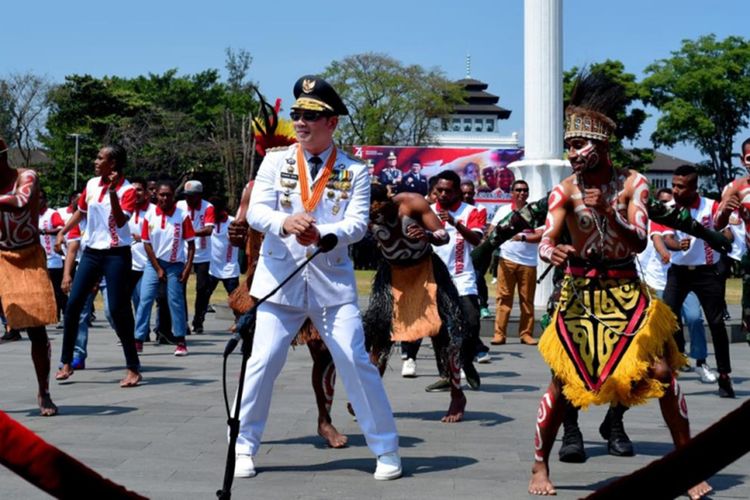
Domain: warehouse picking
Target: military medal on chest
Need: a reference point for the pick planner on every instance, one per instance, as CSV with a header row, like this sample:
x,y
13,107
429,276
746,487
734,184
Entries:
x,y
339,186
289,180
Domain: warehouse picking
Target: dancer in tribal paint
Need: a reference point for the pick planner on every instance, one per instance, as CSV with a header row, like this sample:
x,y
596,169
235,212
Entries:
x,y
736,197
26,295
609,340
413,296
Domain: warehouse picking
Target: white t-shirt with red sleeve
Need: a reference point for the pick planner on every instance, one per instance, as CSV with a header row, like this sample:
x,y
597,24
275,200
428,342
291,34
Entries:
x,y
456,253
224,256
202,216
699,253
168,233
140,259
49,220
102,232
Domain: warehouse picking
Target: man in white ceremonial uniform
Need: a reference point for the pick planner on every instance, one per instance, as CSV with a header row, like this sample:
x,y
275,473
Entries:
x,y
302,193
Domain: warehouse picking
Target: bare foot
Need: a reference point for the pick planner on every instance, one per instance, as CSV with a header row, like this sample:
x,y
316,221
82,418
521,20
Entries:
x,y
64,373
456,408
46,407
132,379
700,490
335,439
540,483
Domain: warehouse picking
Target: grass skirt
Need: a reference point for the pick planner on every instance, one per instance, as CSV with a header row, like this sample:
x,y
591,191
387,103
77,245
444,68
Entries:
x,y
26,292
607,360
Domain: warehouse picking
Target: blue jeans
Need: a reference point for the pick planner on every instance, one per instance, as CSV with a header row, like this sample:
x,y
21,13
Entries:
x,y
82,340
114,264
692,318
175,299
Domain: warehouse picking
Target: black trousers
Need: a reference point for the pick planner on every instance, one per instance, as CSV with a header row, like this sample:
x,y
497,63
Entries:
x,y
709,286
472,344
56,276
202,293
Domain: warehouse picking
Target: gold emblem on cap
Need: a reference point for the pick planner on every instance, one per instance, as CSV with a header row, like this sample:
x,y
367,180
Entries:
x,y
308,85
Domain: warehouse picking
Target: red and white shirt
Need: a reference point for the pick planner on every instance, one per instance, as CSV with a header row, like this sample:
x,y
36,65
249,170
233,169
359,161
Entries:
x,y
699,253
224,256
456,253
49,220
168,233
202,216
66,212
140,259
101,229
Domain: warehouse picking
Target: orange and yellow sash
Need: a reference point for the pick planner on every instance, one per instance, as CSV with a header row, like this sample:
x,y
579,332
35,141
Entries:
x,y
311,200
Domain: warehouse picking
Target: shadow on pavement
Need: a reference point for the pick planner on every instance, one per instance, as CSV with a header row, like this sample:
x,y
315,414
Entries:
x,y
412,466
355,441
80,410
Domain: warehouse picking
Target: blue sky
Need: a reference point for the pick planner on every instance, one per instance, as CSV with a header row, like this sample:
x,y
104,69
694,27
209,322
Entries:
x,y
288,39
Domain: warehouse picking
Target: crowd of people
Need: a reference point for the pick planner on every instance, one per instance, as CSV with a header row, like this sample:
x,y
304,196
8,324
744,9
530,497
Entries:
x,y
132,240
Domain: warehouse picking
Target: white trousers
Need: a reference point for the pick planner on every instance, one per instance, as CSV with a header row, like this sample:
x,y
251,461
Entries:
x,y
341,329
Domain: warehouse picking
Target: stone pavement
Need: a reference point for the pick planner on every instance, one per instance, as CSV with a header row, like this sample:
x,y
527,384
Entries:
x,y
167,438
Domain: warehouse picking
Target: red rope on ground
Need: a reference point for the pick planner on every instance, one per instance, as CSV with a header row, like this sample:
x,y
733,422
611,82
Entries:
x,y
50,469
671,476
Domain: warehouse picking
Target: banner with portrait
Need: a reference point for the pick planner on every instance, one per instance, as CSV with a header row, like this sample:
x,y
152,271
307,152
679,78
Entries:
x,y
399,166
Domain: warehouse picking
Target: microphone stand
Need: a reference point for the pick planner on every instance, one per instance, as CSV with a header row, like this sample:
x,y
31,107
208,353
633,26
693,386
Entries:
x,y
245,332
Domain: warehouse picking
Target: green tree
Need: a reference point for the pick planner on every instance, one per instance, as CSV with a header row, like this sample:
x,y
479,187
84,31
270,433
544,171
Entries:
x,y
703,94
629,117
390,103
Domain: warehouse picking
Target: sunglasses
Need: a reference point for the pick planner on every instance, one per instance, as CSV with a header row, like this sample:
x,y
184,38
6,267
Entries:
x,y
308,116
521,190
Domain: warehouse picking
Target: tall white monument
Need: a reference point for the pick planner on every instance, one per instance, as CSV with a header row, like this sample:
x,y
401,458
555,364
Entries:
x,y
542,166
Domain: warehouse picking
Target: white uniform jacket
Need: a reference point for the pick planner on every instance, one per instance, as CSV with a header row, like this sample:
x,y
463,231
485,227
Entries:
x,y
329,279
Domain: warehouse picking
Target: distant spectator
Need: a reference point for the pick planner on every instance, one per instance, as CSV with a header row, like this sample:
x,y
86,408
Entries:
x,y
225,265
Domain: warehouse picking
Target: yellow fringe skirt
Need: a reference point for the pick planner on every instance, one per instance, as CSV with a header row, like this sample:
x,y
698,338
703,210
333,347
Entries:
x,y
604,336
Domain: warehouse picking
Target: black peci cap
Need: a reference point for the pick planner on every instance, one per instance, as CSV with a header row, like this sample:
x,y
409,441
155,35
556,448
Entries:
x,y
316,94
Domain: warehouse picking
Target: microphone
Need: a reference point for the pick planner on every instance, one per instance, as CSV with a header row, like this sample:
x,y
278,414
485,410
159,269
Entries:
x,y
246,322
328,242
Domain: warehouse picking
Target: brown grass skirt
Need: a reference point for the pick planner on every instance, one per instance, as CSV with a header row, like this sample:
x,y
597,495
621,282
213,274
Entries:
x,y
25,289
415,311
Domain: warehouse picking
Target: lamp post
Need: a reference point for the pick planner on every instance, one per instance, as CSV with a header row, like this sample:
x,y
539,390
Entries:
x,y
75,169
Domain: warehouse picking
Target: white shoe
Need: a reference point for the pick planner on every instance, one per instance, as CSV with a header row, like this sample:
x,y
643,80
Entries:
x,y
388,467
409,368
705,374
244,466
463,373
483,358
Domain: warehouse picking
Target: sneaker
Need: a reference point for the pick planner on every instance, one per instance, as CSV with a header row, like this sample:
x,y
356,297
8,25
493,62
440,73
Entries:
x,y
138,346
483,358
78,364
409,368
244,466
705,374
441,385
181,349
388,467
485,313
210,309
197,329
725,386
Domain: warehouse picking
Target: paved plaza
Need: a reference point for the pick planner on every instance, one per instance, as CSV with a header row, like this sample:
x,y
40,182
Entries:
x,y
167,438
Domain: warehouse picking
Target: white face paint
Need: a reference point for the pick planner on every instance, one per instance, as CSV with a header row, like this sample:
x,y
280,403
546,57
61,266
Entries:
x,y
582,154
